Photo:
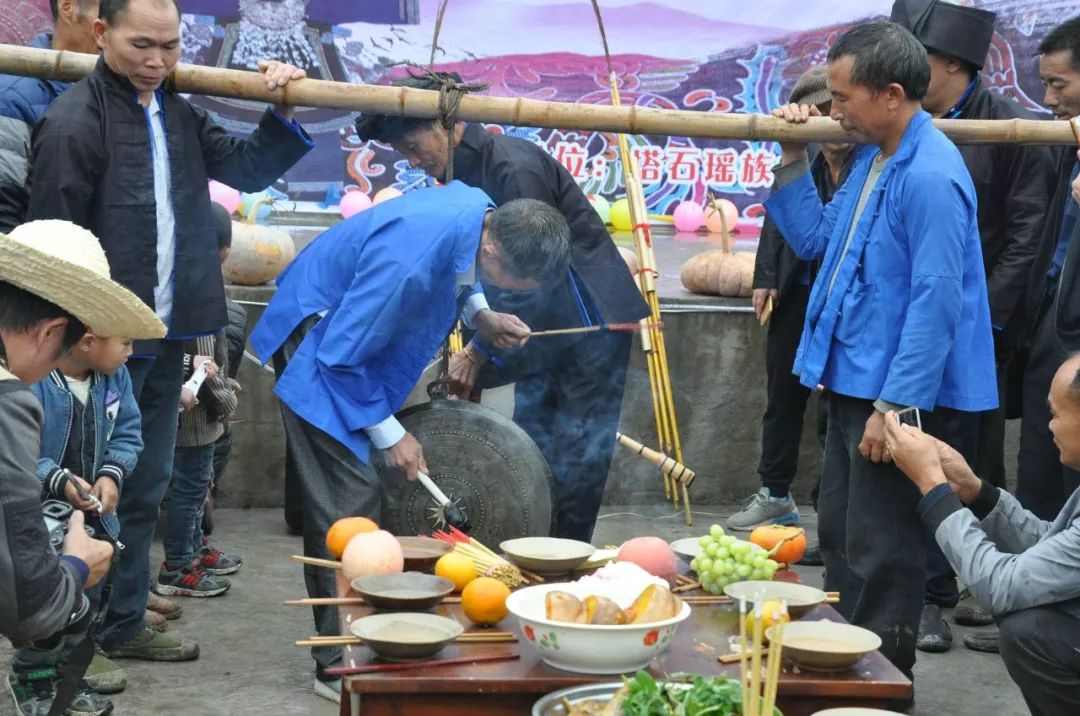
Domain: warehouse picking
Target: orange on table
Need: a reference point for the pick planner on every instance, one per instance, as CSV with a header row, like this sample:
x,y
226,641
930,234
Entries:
x,y
484,601
456,567
770,614
339,534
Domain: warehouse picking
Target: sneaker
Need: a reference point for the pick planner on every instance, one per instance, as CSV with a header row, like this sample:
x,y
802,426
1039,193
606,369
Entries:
x,y
935,636
984,640
153,645
189,581
761,509
329,690
32,691
165,607
156,620
812,557
103,676
215,561
88,702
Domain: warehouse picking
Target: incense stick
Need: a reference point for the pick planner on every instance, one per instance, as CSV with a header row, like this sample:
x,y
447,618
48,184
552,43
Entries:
x,y
755,664
742,655
618,327
772,670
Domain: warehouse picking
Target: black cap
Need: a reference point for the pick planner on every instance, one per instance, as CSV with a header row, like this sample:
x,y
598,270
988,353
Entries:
x,y
961,32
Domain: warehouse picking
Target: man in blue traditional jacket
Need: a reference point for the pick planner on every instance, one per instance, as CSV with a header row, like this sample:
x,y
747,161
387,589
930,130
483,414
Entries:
x,y
357,317
898,317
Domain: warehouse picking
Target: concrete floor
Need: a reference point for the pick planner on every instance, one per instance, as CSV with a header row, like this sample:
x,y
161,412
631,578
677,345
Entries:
x,y
248,665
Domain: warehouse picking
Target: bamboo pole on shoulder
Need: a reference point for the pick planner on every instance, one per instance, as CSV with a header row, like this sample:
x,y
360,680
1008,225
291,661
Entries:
x,y
400,101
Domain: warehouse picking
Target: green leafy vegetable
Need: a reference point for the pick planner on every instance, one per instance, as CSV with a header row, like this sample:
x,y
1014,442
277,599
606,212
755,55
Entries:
x,y
683,695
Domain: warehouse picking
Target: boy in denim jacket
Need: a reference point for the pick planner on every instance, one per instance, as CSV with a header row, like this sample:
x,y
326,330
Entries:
x,y
91,437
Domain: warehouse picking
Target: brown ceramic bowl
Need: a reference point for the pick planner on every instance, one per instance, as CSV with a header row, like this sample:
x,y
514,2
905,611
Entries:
x,y
404,636
404,591
421,553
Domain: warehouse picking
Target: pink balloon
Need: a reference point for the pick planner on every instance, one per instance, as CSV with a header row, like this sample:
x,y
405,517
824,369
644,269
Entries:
x,y
353,203
689,216
224,195
730,214
386,194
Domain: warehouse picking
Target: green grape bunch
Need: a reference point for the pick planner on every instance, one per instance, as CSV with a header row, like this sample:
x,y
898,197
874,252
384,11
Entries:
x,y
725,559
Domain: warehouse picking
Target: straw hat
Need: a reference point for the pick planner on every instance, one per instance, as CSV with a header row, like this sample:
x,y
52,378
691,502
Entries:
x,y
65,264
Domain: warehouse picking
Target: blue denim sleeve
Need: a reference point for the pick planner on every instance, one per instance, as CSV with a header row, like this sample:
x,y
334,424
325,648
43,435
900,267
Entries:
x,y
126,443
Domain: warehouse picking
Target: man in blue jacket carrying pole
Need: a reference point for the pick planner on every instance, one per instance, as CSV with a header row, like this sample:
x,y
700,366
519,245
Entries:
x,y
898,317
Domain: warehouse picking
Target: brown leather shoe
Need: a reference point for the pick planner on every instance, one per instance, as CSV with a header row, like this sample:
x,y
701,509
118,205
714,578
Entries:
x,y
156,620
165,607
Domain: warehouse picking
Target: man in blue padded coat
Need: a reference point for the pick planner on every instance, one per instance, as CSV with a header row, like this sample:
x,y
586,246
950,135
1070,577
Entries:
x,y
357,317
898,317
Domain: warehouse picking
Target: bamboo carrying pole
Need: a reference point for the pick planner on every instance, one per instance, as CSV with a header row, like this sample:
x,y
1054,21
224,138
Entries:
x,y
401,101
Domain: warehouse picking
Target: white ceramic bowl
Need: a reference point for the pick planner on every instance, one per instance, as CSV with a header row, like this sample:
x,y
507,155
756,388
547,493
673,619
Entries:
x,y
688,548
547,555
825,645
590,648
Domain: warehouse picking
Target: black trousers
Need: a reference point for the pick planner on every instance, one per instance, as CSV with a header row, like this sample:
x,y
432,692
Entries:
x,y
872,540
1042,482
990,455
1039,648
333,483
786,399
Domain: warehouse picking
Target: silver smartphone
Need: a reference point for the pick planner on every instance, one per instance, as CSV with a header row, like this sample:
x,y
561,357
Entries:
x,y
909,416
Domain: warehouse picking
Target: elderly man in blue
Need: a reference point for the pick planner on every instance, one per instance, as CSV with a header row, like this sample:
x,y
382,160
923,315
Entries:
x,y
356,318
898,317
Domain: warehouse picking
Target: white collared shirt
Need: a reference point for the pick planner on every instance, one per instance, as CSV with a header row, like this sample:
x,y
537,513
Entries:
x,y
166,220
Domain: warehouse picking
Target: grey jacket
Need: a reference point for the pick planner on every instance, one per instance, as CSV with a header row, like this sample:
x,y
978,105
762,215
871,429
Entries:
x,y
38,591
1008,557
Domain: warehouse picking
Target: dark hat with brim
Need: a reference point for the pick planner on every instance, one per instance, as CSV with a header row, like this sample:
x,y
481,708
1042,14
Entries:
x,y
811,88
391,128
961,32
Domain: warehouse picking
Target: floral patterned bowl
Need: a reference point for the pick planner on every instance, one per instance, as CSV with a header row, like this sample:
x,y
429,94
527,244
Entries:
x,y
590,648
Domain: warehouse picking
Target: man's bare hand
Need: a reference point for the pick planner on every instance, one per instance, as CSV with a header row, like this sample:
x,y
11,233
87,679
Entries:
x,y
188,401
408,456
872,446
464,368
760,296
108,493
95,553
501,330
795,114
278,74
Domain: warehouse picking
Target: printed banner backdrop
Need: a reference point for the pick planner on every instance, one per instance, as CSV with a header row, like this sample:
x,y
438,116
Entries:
x,y
722,56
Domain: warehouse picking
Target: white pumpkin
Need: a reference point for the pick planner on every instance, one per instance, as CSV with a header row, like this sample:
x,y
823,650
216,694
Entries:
x,y
259,253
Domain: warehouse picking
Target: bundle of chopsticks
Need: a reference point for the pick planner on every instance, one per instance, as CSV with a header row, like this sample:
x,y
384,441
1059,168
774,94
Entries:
x,y
759,699
713,599
488,563
485,637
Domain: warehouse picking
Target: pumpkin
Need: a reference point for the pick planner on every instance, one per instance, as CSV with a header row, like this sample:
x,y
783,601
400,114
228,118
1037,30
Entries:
x,y
259,253
652,554
564,607
630,257
719,273
784,544
369,553
655,604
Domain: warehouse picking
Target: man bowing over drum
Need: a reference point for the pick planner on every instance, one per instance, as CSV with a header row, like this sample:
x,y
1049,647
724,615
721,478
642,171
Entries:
x,y
356,318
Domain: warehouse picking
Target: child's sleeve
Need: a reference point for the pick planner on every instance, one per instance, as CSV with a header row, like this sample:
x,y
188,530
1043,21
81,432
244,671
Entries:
x,y
126,443
48,470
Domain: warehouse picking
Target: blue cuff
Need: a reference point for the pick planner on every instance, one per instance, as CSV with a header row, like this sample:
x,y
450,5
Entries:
x,y
932,498
80,566
294,126
484,351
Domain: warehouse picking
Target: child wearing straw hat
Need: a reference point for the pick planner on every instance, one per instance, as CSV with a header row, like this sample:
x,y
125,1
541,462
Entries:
x,y
54,285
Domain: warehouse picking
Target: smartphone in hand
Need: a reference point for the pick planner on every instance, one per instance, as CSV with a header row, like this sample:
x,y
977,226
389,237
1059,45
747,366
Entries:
x,y
909,416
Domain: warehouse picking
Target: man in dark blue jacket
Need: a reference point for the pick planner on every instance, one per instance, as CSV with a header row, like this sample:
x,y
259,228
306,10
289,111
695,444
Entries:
x,y
128,159
569,388
24,99
898,317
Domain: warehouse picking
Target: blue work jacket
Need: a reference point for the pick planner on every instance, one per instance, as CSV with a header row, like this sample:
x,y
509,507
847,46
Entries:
x,y
387,281
907,318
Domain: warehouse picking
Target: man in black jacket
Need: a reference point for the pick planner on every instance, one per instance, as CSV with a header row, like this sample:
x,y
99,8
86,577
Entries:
x,y
568,388
1013,184
128,159
1053,304
780,275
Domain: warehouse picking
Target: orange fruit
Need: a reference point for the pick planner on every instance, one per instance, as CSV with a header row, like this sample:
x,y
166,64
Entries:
x,y
344,530
484,601
770,615
456,567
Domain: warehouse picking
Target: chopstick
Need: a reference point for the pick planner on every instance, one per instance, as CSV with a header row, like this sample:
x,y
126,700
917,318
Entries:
x,y
377,668
347,601
689,587
315,562
830,598
495,637
735,656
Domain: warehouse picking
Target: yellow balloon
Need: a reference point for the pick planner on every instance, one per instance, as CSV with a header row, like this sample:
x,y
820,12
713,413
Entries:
x,y
620,215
